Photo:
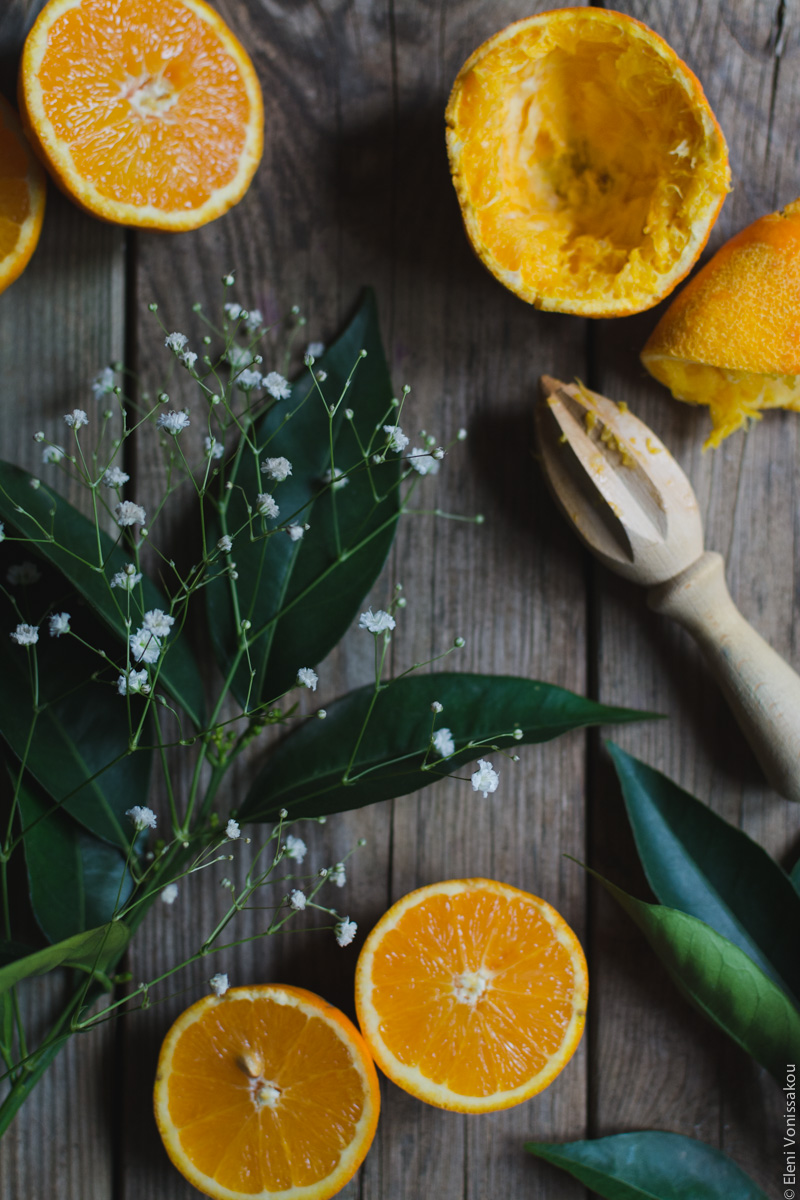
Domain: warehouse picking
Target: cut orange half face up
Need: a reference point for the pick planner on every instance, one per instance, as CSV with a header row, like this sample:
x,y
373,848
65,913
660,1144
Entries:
x,y
146,112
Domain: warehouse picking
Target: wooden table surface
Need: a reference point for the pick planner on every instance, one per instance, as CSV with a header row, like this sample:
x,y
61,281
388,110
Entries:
x,y
354,189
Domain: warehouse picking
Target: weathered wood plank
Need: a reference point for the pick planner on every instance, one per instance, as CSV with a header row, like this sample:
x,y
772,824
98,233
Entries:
x,y
60,323
656,1063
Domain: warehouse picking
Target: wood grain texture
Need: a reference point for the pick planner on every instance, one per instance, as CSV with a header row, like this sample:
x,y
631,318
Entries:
x,y
655,1062
354,189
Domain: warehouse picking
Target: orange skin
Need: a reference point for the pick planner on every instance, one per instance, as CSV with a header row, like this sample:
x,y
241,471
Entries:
x,y
742,309
564,294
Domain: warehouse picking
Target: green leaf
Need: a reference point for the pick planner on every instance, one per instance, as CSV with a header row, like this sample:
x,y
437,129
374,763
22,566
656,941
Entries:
x,y
94,950
300,597
52,523
304,773
721,981
76,881
651,1166
78,751
795,876
698,863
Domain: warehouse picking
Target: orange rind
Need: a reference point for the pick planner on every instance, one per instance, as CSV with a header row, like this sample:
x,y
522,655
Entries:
x,y
266,1091
471,994
22,198
146,112
731,338
588,164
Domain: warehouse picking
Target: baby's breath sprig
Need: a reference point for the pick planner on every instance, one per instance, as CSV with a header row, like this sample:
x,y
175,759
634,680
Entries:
x,y
283,519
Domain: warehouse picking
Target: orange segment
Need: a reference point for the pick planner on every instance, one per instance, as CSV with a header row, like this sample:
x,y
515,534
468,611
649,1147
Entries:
x,y
22,196
471,994
731,339
588,163
147,112
267,1091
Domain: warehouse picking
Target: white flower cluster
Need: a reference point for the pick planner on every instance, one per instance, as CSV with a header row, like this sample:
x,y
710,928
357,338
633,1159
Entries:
x,y
308,678
376,622
266,506
128,513
177,343
143,818
276,468
173,421
485,779
127,579
146,643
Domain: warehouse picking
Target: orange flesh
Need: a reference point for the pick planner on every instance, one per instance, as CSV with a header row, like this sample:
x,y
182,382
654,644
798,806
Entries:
x,y
213,1097
15,202
503,949
589,161
152,106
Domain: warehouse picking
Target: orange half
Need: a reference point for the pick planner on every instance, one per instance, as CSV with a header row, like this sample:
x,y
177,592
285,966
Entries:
x,y
267,1091
146,112
471,994
588,164
731,338
22,197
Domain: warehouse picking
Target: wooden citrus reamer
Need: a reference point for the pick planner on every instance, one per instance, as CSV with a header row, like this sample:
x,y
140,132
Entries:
x,y
632,505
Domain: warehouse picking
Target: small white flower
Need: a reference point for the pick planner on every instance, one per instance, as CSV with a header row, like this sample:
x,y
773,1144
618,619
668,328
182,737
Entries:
x,y
254,319
103,383
376,622
219,984
443,743
127,579
238,357
247,380
462,434
397,439
232,830
276,468
308,678
296,532
321,375
225,544
145,646
128,513
169,894
176,342
232,311
345,931
23,573
485,779
53,454
436,707
315,349
188,358
422,462
143,818
266,506
76,419
295,847
134,683
338,875
158,622
59,623
2,532
173,421
336,478
214,449
277,386
25,635
297,900
115,477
